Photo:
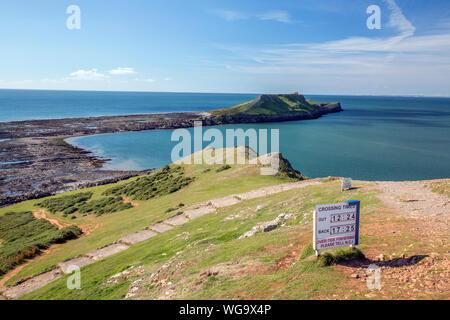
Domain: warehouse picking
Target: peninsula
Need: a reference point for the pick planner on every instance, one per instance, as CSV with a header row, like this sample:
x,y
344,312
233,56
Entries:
x,y
35,161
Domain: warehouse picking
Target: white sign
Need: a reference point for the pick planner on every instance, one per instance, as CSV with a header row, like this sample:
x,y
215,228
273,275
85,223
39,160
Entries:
x,y
336,225
346,184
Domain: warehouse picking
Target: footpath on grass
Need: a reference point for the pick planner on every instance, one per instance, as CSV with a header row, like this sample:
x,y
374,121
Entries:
x,y
192,212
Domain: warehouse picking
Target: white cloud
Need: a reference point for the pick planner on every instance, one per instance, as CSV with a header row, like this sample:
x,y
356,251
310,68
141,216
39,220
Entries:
x,y
92,74
230,15
403,60
399,21
122,71
276,15
167,79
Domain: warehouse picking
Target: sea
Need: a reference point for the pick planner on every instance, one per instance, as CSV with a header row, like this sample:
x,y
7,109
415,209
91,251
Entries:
x,y
375,138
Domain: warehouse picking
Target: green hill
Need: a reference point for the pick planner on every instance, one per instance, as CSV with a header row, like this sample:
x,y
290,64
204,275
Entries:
x,y
253,242
279,105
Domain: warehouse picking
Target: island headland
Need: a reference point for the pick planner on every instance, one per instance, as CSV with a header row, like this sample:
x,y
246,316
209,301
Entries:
x,y
35,161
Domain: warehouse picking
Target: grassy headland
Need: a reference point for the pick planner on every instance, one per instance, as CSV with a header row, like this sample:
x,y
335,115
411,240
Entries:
x,y
207,258
278,105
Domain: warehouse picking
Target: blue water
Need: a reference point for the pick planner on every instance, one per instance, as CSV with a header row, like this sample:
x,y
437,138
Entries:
x,y
375,138
46,104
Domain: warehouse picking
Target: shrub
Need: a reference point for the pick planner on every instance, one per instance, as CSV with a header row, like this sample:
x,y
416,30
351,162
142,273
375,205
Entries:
x,y
328,259
223,168
23,236
65,204
162,182
104,205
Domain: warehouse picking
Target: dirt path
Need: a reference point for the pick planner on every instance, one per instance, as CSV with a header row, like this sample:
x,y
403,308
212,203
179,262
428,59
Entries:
x,y
41,214
414,198
414,224
192,212
17,269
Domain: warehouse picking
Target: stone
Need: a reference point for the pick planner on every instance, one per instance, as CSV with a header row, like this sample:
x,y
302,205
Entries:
x,y
198,212
79,262
32,284
138,236
177,220
107,251
160,227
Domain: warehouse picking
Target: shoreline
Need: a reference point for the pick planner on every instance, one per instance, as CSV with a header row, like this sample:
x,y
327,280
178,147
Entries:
x,y
36,161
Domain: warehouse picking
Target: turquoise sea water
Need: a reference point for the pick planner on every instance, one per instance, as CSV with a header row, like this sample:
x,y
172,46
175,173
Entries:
x,y
46,104
375,138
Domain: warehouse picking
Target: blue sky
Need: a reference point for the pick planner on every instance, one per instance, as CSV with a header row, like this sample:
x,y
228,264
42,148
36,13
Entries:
x,y
313,46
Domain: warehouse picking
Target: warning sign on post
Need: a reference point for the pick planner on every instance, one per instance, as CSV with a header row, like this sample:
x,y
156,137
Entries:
x,y
336,225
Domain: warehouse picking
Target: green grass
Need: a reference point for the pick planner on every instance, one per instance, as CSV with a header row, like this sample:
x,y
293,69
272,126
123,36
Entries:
x,y
340,255
105,229
66,204
441,187
104,205
204,258
272,104
78,203
23,236
159,183
245,266
162,182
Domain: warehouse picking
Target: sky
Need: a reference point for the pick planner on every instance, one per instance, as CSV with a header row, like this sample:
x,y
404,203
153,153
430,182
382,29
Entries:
x,y
310,46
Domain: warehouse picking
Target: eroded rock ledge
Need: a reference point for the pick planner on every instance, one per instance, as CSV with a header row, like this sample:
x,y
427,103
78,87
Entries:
x,y
36,162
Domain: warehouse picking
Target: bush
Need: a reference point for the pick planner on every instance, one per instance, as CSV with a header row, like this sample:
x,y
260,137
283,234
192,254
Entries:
x,y
65,204
162,182
104,205
328,259
223,168
23,236
79,203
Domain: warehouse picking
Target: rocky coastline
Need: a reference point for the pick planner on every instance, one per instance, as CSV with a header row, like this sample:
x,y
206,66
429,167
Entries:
x,y
35,161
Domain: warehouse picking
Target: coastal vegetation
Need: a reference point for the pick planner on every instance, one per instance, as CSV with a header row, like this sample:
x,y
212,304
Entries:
x,y
66,204
207,258
108,228
340,255
104,205
167,180
23,236
223,168
79,203
276,105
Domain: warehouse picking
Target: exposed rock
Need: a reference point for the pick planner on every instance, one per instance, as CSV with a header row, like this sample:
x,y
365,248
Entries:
x,y
267,226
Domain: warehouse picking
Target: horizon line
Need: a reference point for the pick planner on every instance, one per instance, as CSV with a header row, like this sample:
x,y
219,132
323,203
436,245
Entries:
x,y
252,93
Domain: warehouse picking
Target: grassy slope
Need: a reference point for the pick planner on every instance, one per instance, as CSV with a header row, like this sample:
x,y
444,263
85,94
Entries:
x,y
23,236
204,258
107,228
271,105
212,242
